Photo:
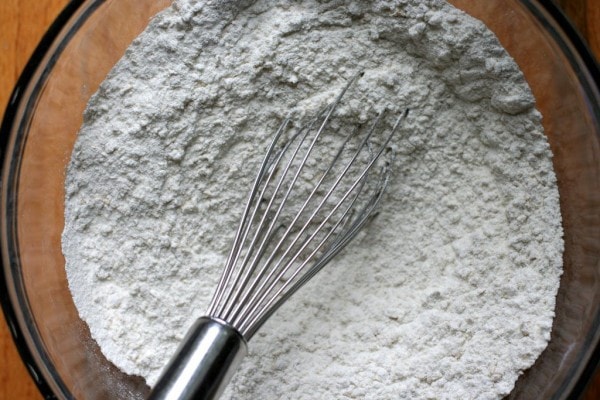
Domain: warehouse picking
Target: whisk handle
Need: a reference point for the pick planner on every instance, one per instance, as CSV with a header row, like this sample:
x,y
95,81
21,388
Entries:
x,y
203,364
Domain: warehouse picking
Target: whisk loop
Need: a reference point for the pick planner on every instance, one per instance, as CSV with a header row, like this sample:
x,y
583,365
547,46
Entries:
x,y
255,282
301,212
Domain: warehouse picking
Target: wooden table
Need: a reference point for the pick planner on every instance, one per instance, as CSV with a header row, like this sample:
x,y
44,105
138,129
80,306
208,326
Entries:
x,y
22,24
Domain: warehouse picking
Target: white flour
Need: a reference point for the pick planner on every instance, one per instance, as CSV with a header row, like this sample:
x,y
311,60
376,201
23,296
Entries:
x,y
449,293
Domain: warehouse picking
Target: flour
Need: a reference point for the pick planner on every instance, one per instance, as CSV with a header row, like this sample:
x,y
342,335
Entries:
x,y
448,294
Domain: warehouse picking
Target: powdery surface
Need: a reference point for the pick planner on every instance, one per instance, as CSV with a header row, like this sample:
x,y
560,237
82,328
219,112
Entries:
x,y
449,293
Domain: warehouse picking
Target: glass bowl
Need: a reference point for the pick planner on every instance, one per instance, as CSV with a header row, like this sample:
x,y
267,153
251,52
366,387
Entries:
x,y
45,113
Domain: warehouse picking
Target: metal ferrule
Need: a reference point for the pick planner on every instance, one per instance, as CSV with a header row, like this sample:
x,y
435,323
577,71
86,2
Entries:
x,y
203,364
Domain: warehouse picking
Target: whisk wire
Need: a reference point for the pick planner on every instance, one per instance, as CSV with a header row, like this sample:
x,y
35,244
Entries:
x,y
262,232
258,307
258,317
269,258
246,303
274,252
231,299
262,310
366,213
259,314
237,243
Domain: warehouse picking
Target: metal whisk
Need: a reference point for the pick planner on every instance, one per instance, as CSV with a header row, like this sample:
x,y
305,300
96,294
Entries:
x,y
301,212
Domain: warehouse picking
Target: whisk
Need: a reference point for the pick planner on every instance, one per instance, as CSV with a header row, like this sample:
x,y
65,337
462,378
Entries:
x,y
301,212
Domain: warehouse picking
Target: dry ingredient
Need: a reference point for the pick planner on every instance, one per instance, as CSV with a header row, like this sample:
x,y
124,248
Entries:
x,y
449,294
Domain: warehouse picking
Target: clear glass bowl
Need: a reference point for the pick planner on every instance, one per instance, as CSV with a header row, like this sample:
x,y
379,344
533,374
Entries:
x,y
45,113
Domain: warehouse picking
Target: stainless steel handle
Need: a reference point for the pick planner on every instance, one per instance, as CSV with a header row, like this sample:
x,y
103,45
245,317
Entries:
x,y
203,364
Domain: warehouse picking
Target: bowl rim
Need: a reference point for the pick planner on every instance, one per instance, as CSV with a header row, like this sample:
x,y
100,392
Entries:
x,y
568,38
18,333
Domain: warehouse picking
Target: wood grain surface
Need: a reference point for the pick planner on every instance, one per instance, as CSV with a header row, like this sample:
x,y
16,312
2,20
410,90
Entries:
x,y
22,24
